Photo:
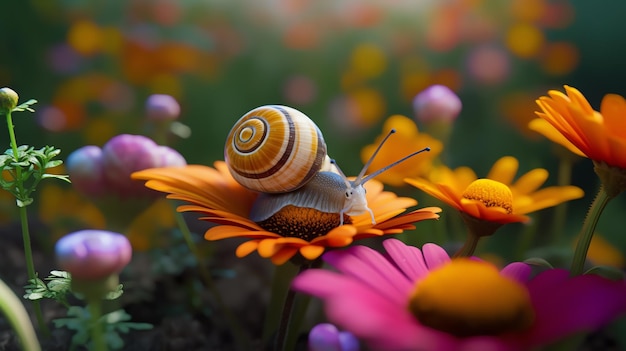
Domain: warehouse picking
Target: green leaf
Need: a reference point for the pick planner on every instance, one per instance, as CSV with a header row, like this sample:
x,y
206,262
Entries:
x,y
64,178
23,203
54,163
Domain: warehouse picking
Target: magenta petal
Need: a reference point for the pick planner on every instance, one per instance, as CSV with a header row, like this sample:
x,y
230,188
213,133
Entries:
x,y
519,271
365,313
409,259
565,305
435,256
373,269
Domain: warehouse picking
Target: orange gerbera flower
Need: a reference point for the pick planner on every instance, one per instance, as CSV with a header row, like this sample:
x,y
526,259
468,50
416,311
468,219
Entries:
x,y
495,198
214,193
569,119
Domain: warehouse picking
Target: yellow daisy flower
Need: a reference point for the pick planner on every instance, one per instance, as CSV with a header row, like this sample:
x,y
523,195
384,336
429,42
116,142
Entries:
x,y
215,194
496,198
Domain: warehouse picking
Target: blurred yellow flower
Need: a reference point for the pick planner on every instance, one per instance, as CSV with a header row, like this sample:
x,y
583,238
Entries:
x,y
63,210
407,139
488,199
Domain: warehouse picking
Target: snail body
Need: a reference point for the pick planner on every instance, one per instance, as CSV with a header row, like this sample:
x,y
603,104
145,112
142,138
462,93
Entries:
x,y
280,152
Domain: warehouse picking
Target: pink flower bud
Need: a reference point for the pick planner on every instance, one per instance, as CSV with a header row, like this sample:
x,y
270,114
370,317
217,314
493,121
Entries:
x,y
84,167
161,107
93,254
436,103
326,337
170,157
125,154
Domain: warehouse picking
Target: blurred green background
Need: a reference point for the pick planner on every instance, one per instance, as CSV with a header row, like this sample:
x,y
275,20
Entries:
x,y
348,64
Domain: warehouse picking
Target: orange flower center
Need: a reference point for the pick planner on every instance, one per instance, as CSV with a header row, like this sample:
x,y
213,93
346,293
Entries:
x,y
470,298
302,222
491,193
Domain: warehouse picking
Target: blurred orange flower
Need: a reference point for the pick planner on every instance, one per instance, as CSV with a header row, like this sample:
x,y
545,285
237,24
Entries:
x,y
406,140
569,119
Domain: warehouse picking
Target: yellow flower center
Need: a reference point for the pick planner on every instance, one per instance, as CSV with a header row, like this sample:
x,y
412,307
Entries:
x,y
302,222
491,193
470,298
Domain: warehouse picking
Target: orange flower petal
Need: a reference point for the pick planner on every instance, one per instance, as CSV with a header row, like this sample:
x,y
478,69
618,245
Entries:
x,y
228,231
247,248
311,252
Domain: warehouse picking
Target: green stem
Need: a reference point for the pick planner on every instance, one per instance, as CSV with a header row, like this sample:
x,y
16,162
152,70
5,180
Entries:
x,y
97,335
28,251
468,247
560,211
241,340
18,318
285,337
587,231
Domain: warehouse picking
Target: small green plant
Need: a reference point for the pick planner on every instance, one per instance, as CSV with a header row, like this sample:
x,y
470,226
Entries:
x,y
25,167
79,319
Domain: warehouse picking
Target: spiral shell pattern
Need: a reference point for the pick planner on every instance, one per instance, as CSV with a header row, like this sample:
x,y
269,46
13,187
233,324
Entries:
x,y
274,149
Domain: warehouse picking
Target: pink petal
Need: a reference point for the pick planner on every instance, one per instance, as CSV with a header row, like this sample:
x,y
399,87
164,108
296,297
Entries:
x,y
519,271
435,256
370,316
409,259
373,269
565,305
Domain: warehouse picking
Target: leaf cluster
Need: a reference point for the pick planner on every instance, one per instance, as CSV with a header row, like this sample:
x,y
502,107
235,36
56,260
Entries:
x,y
114,323
23,172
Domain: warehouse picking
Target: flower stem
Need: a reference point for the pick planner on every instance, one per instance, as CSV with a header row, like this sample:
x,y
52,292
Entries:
x,y
97,336
284,336
17,316
468,247
28,251
241,340
587,231
564,178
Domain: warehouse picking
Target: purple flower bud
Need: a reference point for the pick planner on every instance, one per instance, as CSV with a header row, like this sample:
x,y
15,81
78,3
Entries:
x,y
8,100
161,107
84,167
170,157
125,154
326,337
436,103
93,254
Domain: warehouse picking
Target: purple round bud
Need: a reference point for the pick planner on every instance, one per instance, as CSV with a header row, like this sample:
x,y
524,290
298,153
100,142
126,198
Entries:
x,y
161,107
170,157
8,100
436,103
93,254
124,154
84,167
326,337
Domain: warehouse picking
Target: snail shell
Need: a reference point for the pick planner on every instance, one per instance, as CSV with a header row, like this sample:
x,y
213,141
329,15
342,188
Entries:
x,y
275,149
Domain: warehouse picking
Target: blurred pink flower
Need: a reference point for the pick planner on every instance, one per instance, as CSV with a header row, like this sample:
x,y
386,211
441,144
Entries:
x,y
162,107
436,103
93,254
326,337
372,297
98,172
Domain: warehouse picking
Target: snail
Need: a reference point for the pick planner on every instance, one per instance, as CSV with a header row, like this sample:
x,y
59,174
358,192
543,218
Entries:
x,y
280,152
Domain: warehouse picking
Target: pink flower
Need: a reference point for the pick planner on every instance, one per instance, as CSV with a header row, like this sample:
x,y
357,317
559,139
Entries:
x,y
437,103
408,300
162,107
85,169
93,254
326,337
99,172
